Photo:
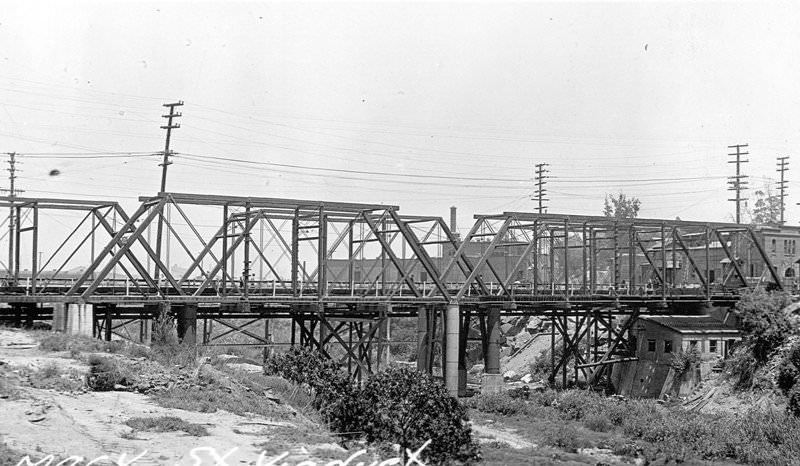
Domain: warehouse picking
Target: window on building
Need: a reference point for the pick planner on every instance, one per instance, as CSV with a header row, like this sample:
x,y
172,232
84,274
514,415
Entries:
x,y
667,346
651,346
774,245
692,344
711,276
423,275
712,346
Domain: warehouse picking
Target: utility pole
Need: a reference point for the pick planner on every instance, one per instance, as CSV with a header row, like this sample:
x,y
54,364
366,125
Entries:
x,y
164,164
540,182
737,182
783,166
12,217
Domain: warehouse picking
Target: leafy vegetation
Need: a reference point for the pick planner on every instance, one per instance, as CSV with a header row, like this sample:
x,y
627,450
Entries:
x,y
645,429
684,361
620,206
398,405
166,424
104,374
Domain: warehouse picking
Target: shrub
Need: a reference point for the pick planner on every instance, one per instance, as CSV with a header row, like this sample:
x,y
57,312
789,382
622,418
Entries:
x,y
499,403
409,407
794,401
104,374
597,423
763,321
310,368
164,329
787,376
166,424
683,361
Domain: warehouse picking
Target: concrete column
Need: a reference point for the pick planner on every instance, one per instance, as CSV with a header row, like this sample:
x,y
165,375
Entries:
x,y
59,323
423,340
109,321
492,379
146,331
452,327
80,319
187,324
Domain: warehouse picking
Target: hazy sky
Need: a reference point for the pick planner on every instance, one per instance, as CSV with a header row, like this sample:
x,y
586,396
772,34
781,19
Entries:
x,y
415,104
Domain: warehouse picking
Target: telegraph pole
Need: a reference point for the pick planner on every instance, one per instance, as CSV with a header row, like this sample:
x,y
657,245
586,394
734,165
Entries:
x,y
783,166
540,182
737,182
164,164
12,217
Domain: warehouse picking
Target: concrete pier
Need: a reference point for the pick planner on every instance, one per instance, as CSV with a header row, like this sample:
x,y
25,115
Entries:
x,y
423,339
452,319
492,381
80,319
187,324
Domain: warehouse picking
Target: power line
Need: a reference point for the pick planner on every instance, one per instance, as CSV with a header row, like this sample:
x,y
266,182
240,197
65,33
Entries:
x,y
540,182
358,172
737,182
783,166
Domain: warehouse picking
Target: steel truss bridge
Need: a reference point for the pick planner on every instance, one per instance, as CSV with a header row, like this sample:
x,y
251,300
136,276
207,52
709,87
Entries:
x,y
338,272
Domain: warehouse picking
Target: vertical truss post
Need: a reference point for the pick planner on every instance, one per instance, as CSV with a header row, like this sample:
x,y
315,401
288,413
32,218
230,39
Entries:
x,y
246,264
535,241
631,261
17,235
593,261
552,255
584,259
35,248
616,257
664,261
224,259
674,259
322,256
565,352
295,253
708,265
552,377
566,259
350,259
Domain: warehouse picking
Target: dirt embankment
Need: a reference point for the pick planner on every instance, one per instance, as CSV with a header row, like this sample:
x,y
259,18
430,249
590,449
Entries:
x,y
69,420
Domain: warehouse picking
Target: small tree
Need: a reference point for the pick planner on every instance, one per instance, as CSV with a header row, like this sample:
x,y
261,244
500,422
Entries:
x,y
409,407
620,206
766,209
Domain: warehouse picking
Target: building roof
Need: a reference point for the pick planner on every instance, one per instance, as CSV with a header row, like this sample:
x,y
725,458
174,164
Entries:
x,y
693,324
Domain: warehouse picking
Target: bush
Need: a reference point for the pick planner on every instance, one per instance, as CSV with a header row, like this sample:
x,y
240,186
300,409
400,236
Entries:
x,y
683,361
409,407
398,405
166,424
496,404
104,374
307,367
164,329
763,321
597,423
794,401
